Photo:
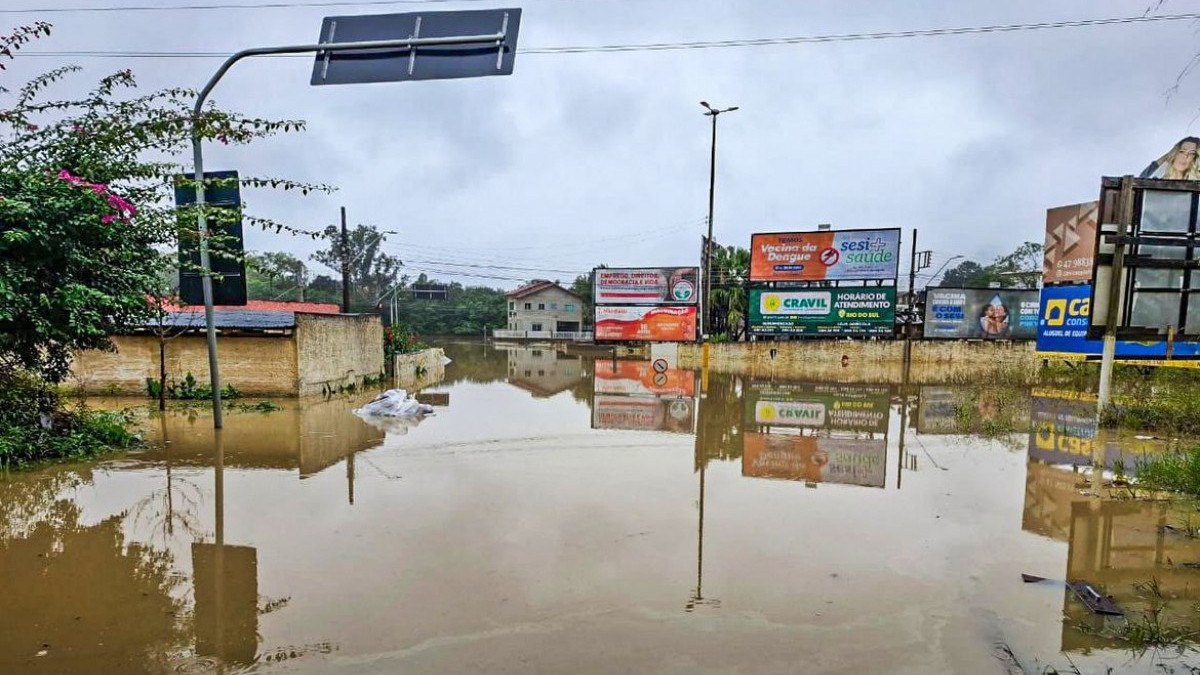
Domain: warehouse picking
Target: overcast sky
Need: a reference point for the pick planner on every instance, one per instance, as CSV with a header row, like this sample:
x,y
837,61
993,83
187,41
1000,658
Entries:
x,y
582,159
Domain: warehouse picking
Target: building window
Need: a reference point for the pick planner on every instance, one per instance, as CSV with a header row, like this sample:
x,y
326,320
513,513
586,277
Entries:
x,y
542,306
536,327
528,305
541,373
535,353
512,304
569,307
554,305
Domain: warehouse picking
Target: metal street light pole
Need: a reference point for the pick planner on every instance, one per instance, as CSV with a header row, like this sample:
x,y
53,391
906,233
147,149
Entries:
x,y
706,322
198,159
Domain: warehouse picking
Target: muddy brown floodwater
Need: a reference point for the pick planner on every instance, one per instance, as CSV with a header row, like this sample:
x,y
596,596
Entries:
x,y
564,514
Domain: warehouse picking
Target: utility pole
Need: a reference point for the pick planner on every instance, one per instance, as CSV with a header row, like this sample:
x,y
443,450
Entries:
x,y
1116,291
912,301
706,320
345,246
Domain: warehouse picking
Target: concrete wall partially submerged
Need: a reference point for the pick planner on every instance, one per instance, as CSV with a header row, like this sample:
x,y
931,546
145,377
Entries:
x,y
323,353
420,369
880,361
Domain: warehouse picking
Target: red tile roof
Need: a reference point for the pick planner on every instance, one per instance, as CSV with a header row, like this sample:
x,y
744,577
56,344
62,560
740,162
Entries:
x,y
536,286
267,306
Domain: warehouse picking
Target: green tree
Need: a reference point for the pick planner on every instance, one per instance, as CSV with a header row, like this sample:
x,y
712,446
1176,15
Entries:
x,y
87,187
731,272
966,273
273,274
372,270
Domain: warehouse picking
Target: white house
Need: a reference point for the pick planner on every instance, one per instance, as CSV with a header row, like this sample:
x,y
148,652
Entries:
x,y
542,308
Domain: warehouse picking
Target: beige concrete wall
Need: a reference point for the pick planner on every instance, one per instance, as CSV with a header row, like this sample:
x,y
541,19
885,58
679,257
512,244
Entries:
x,y
255,365
337,350
880,361
420,369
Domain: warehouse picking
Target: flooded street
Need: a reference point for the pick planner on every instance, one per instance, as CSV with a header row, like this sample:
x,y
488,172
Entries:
x,y
570,514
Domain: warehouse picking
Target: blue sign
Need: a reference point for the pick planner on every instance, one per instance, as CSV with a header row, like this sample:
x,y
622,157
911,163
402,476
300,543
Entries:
x,y
1063,324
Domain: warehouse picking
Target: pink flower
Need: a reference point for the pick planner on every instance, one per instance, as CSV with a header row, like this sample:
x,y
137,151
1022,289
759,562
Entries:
x,y
107,219
99,188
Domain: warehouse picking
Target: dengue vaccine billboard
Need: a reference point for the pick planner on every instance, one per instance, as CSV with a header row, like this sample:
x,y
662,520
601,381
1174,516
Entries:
x,y
841,255
987,313
823,311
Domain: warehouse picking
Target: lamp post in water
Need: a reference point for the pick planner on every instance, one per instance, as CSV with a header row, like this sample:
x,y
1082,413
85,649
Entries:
x,y
706,322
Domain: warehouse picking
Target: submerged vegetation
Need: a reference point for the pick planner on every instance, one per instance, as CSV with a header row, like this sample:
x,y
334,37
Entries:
x,y
37,425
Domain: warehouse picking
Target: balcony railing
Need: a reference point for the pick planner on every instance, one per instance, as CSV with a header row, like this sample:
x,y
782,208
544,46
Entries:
x,y
567,336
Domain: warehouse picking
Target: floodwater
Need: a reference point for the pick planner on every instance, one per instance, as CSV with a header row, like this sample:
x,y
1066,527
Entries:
x,y
565,514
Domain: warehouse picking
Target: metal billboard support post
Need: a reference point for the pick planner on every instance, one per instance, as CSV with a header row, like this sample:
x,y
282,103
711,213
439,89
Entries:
x,y
1116,291
409,43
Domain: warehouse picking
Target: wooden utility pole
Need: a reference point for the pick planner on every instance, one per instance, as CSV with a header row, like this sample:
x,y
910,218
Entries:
x,y
345,247
1116,291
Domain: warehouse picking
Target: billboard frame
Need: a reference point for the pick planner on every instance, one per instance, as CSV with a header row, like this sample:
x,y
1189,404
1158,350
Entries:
x,y
1117,250
899,241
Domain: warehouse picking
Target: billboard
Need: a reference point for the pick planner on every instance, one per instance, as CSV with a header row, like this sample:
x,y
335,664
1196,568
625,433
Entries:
x,y
841,407
223,198
1070,243
1063,327
824,256
823,311
639,378
812,459
637,413
660,324
1155,287
988,313
646,286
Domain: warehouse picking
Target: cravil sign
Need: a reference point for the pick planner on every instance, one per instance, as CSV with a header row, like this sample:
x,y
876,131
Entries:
x,y
825,311
840,407
824,256
1063,328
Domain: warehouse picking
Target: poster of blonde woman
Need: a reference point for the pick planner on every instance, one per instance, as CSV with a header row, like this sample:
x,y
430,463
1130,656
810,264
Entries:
x,y
1179,163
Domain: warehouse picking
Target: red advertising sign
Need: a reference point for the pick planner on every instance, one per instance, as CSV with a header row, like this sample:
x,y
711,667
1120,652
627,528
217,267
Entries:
x,y
654,324
640,378
647,286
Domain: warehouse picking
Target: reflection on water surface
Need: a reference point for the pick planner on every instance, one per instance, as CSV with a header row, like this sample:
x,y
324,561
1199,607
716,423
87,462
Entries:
x,y
580,514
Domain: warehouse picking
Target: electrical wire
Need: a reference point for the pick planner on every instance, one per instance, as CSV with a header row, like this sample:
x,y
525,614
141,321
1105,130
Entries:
x,y
699,44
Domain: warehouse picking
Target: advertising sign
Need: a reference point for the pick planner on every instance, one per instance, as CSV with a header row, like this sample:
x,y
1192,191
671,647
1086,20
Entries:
x,y
640,378
819,406
661,324
814,460
1064,428
824,256
1063,328
647,286
1070,243
936,410
823,311
988,313
638,413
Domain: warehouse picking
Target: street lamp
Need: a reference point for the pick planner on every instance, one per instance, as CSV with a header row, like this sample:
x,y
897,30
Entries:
x,y
712,112
933,277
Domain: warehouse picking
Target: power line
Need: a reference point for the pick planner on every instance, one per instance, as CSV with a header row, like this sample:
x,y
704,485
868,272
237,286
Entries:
x,y
702,44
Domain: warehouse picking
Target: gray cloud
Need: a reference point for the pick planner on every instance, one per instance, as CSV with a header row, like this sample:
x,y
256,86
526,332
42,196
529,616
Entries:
x,y
603,158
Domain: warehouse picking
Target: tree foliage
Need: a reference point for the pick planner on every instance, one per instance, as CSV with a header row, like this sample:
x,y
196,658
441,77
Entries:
x,y
372,270
731,273
1022,268
87,201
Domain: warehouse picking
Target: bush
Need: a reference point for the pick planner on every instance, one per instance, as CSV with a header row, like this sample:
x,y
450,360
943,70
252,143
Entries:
x,y
36,426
